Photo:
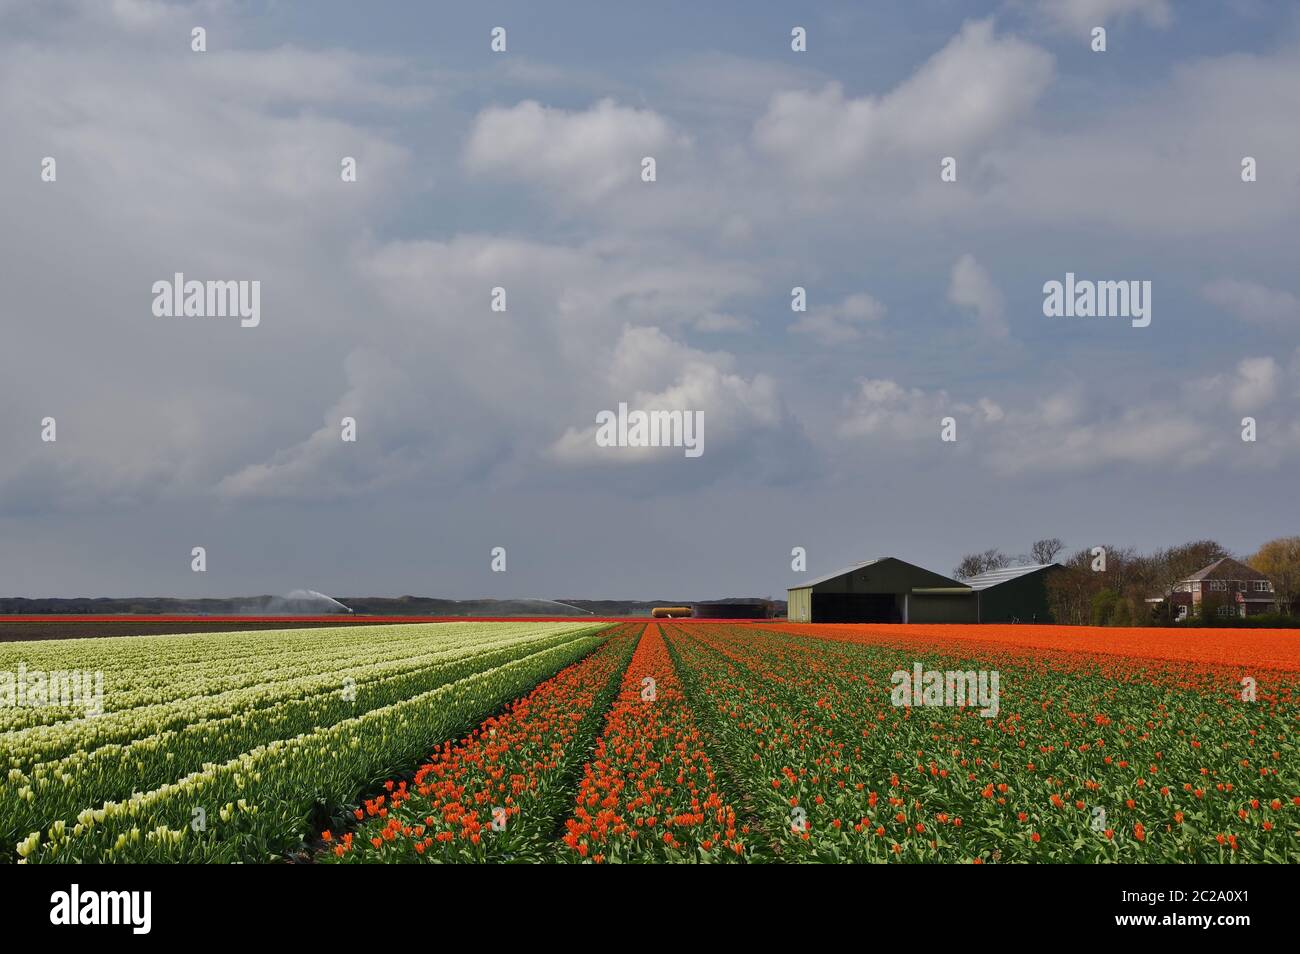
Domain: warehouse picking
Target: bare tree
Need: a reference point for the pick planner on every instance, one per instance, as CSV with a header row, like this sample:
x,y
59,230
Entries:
x,y
1114,596
1045,551
1117,595
1178,563
973,564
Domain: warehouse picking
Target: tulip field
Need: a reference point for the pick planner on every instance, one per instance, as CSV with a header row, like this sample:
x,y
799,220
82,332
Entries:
x,y
669,741
219,747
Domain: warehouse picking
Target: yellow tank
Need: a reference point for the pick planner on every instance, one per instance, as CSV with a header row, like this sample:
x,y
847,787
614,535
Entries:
x,y
669,612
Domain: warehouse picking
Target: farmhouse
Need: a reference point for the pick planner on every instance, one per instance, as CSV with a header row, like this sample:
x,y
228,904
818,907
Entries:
x,y
889,590
1226,587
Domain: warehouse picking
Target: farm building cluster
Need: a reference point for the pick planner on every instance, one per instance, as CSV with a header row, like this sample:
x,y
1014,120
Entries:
x,y
890,590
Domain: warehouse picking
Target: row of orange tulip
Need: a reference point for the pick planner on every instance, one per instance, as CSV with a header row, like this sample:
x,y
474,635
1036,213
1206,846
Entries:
x,y
651,791
498,793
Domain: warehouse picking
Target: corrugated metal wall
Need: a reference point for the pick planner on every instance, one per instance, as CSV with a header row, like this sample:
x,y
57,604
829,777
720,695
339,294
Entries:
x,y
941,609
799,605
1024,598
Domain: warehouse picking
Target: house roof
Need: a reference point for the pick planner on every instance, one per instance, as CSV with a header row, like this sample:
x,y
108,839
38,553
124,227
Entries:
x,y
983,581
1225,569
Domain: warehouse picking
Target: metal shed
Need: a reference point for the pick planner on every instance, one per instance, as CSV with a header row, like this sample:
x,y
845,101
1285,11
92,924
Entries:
x,y
1014,594
885,590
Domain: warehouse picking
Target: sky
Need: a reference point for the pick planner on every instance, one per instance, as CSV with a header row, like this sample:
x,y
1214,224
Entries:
x,y
523,170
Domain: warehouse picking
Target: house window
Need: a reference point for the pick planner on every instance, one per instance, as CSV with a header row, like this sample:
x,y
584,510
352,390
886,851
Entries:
x,y
1262,586
1219,586
1196,587
1226,611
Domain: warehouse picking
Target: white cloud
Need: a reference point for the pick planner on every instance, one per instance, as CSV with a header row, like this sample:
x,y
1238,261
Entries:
x,y
1068,432
725,87
396,441
846,321
172,432
1255,303
882,408
148,185
572,291
331,79
971,287
715,322
1071,432
1251,386
1085,14
1114,168
586,154
973,88
1256,383
138,13
650,371
430,412
1107,166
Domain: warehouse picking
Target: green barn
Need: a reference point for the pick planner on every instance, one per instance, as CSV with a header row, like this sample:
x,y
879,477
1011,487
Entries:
x,y
1014,594
886,590
890,590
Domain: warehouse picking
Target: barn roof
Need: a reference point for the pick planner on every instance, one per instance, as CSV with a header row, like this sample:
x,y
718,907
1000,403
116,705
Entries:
x,y
984,581
838,573
804,584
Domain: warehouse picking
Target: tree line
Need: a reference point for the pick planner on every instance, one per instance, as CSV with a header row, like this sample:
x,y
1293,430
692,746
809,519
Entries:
x,y
1116,595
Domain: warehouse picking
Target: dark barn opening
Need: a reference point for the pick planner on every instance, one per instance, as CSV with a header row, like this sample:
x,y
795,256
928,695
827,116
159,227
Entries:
x,y
855,608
